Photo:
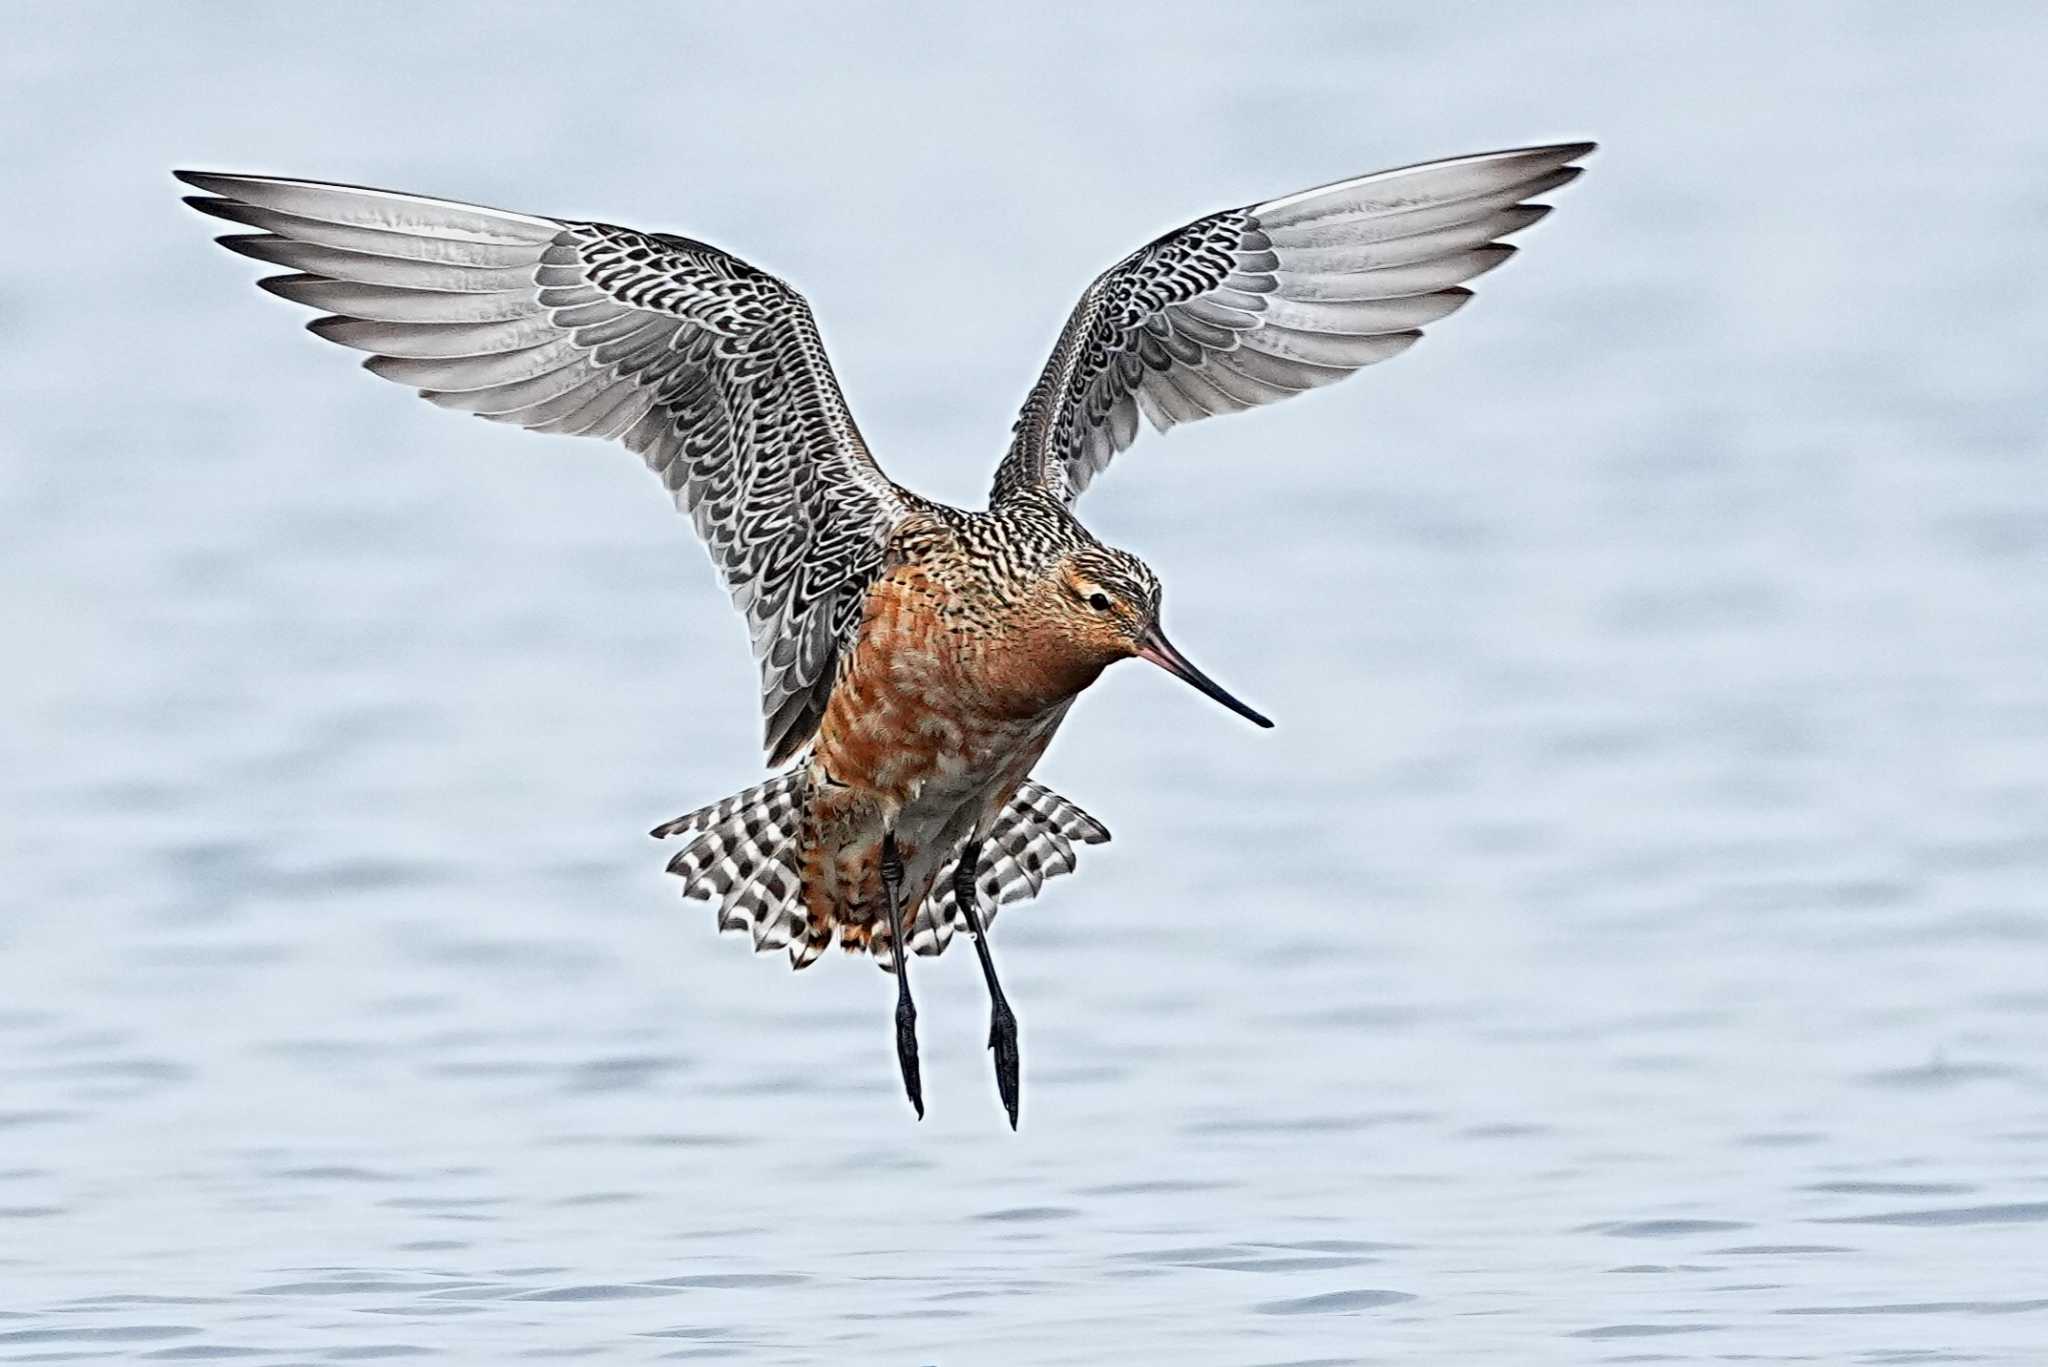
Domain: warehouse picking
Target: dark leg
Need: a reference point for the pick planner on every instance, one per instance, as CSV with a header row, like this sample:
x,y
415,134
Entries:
x,y
1002,1028
899,945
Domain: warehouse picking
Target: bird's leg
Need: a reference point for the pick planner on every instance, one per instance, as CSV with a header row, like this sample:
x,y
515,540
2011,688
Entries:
x,y
899,945
1002,1027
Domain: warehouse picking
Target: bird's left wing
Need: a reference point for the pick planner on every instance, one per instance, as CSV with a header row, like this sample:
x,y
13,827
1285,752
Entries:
x,y
711,370
1253,305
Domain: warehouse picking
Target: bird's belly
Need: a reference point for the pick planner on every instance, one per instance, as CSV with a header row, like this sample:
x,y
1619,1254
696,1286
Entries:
x,y
939,807
910,718
905,747
930,795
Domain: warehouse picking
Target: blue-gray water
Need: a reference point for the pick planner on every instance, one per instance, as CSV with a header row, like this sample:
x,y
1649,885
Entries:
x,y
1629,947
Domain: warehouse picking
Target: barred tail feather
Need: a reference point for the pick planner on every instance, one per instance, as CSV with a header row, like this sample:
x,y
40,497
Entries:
x,y
745,856
1033,839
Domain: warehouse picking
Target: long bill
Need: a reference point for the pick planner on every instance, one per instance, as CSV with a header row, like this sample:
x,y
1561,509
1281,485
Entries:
x,y
1154,646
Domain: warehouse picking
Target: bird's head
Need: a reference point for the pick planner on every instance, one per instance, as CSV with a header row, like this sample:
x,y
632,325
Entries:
x,y
1107,601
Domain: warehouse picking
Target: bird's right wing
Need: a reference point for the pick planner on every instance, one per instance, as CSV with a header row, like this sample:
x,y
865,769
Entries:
x,y
710,369
1252,305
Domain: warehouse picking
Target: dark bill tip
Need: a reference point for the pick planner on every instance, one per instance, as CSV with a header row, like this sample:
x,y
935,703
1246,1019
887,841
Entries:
x,y
1154,646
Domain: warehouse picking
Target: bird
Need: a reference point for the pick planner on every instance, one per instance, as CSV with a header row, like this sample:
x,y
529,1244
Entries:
x,y
915,658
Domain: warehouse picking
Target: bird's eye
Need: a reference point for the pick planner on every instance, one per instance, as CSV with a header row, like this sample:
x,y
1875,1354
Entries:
x,y
1099,601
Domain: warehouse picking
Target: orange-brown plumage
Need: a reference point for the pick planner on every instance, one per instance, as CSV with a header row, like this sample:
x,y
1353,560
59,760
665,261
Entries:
x,y
951,691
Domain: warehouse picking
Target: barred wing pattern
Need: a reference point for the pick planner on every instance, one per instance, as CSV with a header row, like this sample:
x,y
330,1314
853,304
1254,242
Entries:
x,y
711,370
1254,305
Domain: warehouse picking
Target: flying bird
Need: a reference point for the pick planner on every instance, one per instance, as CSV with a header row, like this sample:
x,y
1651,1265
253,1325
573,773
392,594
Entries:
x,y
915,658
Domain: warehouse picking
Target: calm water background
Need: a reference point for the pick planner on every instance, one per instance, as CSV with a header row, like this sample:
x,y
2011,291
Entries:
x,y
1630,946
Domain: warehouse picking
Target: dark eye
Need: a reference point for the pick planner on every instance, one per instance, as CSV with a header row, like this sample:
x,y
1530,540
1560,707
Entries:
x,y
1099,601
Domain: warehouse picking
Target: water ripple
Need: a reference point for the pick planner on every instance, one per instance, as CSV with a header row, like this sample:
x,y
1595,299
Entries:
x,y
1661,1229
1334,1302
2008,1213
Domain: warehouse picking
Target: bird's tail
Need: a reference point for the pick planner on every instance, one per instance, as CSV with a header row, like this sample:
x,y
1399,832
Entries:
x,y
746,855
1032,840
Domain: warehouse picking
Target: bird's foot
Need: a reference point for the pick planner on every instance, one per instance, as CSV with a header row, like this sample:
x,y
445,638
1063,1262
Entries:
x,y
906,1053
1002,1037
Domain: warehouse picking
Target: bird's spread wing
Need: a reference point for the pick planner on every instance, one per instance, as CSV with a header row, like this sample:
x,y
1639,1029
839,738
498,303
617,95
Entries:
x,y
710,369
1253,305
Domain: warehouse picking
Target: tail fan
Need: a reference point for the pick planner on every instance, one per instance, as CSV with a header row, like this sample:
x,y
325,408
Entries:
x,y
745,853
1032,840
745,857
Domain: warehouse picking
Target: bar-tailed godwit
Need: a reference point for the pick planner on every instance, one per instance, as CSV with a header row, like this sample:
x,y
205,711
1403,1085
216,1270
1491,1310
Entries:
x,y
915,658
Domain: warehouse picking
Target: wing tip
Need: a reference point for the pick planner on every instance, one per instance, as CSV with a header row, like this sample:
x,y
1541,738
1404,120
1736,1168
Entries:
x,y
343,330
250,245
213,205
226,184
1560,153
1557,154
283,285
